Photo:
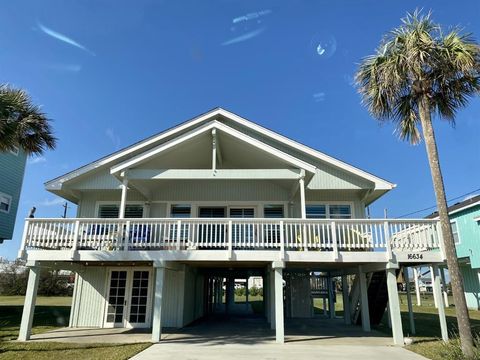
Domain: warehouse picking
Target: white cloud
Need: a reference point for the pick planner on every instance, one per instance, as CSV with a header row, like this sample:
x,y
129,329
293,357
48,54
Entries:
x,y
52,202
114,138
244,37
37,160
63,38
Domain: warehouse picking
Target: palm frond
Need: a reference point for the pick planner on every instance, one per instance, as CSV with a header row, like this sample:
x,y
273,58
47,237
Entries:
x,y
415,61
23,124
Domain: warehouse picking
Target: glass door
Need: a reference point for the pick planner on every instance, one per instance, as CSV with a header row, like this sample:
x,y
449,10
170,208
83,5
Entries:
x,y
138,310
115,314
128,302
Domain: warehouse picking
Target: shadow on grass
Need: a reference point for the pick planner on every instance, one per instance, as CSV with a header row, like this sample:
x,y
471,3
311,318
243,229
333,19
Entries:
x,y
427,324
45,318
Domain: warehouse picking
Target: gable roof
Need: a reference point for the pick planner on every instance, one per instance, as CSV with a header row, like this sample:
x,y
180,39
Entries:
x,y
149,143
457,207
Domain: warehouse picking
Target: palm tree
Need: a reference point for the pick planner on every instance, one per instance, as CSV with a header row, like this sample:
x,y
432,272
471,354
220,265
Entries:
x,y
22,124
419,71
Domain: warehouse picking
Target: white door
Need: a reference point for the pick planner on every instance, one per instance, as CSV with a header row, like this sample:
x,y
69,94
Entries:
x,y
128,300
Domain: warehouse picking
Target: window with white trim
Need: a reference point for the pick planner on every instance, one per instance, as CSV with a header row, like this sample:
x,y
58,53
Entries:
x,y
456,237
5,203
316,211
180,211
15,151
111,211
329,211
273,211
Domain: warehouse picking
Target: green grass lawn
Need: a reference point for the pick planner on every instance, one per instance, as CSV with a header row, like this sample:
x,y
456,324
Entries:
x,y
51,313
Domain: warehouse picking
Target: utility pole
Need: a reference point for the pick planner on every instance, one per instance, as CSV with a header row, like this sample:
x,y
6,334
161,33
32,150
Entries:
x,y
65,207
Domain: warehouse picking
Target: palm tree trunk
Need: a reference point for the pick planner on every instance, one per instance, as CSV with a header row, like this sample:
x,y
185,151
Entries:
x,y
461,310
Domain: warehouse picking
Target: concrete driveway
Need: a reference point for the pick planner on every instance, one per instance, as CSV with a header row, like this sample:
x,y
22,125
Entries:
x,y
288,351
245,338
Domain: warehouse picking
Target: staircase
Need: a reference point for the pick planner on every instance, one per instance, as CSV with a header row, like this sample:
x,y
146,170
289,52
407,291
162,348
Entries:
x,y
377,298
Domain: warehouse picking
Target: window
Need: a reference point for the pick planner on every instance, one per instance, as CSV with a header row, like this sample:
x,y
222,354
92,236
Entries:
x,y
340,212
113,210
273,211
5,203
456,238
180,211
14,151
330,211
316,211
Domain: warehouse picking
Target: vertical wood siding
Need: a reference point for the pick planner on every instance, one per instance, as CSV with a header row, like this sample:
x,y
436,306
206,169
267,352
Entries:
x,y
472,286
88,301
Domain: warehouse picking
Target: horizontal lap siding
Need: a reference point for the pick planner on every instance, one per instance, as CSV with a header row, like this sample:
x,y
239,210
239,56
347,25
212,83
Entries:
x,y
11,178
89,302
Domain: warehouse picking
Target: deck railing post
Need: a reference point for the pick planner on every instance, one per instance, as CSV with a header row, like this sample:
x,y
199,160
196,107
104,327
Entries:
x,y
230,237
21,252
282,241
76,233
179,229
126,238
388,245
440,239
334,240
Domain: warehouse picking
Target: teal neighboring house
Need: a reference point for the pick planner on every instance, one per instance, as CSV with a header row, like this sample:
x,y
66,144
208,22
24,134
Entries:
x,y
12,169
465,219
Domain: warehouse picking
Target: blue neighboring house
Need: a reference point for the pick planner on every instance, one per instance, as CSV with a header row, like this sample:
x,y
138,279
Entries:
x,y
465,219
12,169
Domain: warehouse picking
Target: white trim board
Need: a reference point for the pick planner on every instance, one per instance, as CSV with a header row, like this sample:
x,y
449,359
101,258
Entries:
x,y
136,160
380,184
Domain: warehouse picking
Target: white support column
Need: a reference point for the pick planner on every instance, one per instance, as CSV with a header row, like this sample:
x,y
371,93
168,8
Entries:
x,y
435,298
444,287
123,200
157,304
214,150
246,292
389,318
364,300
409,301
394,306
301,183
346,301
279,325
272,299
29,305
417,286
437,293
331,301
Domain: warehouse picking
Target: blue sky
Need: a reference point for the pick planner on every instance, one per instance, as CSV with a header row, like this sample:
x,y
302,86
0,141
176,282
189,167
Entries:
x,y
110,73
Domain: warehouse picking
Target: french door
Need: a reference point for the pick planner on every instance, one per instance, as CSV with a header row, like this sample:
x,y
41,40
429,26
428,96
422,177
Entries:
x,y
128,298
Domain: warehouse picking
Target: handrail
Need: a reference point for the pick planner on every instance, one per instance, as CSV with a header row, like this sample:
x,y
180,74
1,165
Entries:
x,y
280,234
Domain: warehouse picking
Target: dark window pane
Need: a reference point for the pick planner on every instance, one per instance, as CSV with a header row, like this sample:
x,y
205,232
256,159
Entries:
x,y
316,211
273,211
180,211
340,211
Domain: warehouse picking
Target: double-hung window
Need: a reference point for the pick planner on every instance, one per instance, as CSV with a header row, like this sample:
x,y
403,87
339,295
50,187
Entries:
x,y
456,238
5,203
329,211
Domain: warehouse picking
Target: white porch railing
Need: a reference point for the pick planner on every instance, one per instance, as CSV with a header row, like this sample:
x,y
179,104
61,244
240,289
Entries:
x,y
232,234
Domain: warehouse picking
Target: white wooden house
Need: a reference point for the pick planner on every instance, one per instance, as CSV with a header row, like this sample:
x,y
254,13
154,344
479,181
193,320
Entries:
x,y
163,224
